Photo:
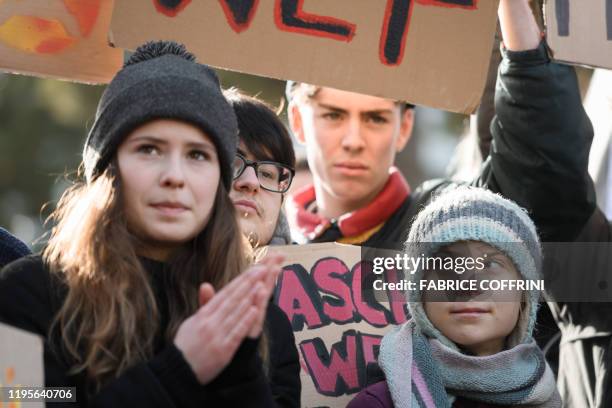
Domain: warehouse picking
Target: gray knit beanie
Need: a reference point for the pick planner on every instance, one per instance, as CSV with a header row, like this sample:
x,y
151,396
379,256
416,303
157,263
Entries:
x,y
475,214
161,80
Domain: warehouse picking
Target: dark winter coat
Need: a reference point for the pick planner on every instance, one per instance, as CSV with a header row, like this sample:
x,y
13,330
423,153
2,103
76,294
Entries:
x,y
11,248
30,297
552,182
585,351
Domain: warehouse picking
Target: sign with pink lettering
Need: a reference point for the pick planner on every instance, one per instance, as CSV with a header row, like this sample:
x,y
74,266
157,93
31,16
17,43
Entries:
x,y
337,331
428,52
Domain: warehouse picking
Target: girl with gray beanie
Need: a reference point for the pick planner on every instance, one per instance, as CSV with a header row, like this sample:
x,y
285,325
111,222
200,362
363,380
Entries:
x,y
467,347
140,295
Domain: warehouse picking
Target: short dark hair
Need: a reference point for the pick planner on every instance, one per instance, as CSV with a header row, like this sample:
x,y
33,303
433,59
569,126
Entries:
x,y
259,127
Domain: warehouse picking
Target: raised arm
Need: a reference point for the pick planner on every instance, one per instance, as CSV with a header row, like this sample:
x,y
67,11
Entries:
x,y
518,25
541,134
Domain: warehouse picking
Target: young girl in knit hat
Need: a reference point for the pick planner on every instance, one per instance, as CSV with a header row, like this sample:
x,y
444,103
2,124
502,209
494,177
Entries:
x,y
140,294
474,349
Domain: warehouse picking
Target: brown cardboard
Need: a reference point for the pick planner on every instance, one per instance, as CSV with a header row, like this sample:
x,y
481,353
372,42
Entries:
x,y
21,361
64,39
305,291
444,62
580,32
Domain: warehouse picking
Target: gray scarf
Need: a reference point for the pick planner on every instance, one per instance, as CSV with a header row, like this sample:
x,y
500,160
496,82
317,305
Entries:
x,y
425,373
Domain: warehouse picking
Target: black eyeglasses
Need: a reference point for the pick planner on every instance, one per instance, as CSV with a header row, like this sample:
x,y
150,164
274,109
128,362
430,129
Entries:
x,y
272,176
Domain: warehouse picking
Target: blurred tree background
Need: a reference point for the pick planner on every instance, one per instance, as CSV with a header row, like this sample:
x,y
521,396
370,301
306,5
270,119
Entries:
x,y
44,123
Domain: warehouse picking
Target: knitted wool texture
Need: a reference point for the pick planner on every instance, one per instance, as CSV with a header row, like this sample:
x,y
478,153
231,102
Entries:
x,y
161,81
475,214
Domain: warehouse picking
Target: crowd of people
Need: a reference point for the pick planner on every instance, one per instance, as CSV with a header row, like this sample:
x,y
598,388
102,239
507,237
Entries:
x,y
152,291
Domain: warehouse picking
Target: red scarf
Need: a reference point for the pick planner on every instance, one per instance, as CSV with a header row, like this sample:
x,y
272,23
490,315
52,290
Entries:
x,y
373,215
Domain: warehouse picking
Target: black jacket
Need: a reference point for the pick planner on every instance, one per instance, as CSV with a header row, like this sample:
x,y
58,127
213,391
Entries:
x,y
11,248
550,178
30,297
585,351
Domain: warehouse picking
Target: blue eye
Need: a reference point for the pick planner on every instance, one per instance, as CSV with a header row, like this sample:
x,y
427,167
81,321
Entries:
x,y
493,264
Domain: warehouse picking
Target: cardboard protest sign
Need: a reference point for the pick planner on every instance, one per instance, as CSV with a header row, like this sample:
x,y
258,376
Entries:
x,y
337,331
21,361
580,32
428,52
65,39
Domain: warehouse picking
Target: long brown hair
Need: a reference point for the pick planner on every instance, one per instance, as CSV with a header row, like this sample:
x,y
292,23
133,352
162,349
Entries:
x,y
110,317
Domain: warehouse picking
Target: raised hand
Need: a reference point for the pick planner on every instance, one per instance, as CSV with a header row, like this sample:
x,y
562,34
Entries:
x,y
210,337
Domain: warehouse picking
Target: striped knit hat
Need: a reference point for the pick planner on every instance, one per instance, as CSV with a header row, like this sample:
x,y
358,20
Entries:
x,y
475,214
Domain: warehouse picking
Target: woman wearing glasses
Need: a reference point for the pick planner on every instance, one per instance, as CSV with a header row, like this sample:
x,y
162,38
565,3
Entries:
x,y
263,171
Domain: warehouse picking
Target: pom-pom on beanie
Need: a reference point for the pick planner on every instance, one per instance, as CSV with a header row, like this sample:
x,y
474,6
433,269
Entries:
x,y
161,80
